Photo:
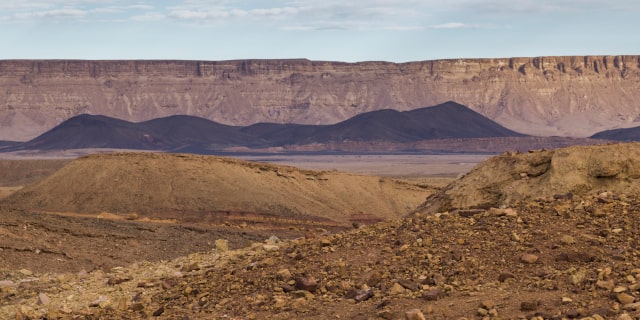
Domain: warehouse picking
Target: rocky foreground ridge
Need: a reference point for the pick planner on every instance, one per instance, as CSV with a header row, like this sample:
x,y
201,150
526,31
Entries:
x,y
559,173
575,96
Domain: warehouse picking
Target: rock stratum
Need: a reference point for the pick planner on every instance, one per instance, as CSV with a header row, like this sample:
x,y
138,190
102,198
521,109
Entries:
x,y
566,96
559,173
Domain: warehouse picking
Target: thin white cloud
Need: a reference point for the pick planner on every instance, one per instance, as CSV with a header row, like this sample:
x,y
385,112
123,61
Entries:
x,y
457,25
55,13
149,16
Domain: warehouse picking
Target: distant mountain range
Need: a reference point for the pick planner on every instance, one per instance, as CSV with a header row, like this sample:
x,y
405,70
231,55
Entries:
x,y
570,96
191,134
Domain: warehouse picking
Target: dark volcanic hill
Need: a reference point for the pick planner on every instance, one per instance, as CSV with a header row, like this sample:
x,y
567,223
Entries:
x,y
449,120
197,135
89,131
171,133
629,134
444,121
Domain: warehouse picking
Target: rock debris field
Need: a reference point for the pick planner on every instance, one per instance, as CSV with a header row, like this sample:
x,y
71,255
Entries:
x,y
568,254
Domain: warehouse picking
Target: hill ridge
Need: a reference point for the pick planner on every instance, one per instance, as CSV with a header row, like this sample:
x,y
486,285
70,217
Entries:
x,y
193,134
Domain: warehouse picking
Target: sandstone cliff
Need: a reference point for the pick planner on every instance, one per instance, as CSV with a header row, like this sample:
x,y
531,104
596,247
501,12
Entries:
x,y
575,96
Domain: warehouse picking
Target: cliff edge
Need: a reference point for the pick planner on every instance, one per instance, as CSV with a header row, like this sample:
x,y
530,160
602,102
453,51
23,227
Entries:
x,y
572,96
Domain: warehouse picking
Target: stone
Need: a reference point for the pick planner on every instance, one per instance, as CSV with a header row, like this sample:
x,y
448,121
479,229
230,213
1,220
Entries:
x,y
302,294
190,267
272,240
7,283
158,312
625,298
396,289
567,239
487,304
270,247
359,295
625,316
529,258
306,283
100,302
619,289
122,305
505,276
26,272
414,314
43,299
529,305
408,284
433,295
371,278
284,274
607,285
222,245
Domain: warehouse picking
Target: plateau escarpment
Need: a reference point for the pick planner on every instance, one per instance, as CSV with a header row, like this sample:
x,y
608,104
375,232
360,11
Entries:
x,y
575,96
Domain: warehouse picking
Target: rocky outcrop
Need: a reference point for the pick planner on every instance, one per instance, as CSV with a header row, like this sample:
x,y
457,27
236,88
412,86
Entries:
x,y
574,96
560,173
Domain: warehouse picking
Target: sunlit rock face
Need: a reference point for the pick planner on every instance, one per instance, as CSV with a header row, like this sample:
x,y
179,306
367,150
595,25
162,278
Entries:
x,y
574,96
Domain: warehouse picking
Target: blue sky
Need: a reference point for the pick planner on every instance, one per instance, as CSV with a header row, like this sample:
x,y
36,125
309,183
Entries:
x,y
340,30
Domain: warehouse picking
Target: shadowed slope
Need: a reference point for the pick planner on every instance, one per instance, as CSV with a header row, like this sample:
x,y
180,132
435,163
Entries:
x,y
90,131
182,133
629,134
444,121
196,188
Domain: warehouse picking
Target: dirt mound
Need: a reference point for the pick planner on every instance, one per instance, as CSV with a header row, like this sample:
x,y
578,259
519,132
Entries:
x,y
561,172
212,189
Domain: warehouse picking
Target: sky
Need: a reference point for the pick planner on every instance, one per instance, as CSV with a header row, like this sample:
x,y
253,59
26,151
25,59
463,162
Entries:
x,y
330,30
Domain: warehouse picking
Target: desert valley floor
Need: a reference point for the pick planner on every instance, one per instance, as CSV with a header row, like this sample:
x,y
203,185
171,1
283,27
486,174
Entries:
x,y
548,234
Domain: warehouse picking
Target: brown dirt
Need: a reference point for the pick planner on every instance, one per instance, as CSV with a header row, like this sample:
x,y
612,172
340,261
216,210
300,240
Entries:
x,y
210,189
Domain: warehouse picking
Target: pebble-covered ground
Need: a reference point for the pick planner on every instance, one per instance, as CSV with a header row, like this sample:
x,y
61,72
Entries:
x,y
562,257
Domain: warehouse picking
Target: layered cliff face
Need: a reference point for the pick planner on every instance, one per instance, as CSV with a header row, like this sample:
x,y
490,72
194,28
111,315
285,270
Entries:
x,y
575,96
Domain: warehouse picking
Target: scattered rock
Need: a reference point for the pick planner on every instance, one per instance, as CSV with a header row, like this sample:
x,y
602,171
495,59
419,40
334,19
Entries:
x,y
433,295
529,258
607,285
408,284
371,278
414,314
158,312
43,299
529,305
505,276
306,283
359,295
284,274
25,272
567,239
396,289
625,298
